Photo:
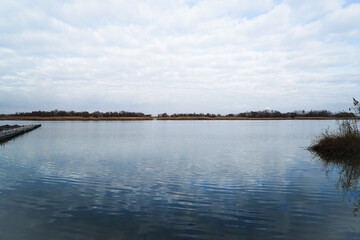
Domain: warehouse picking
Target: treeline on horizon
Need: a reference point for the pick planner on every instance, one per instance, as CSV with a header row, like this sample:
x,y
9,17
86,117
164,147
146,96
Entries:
x,y
86,114
266,114
249,114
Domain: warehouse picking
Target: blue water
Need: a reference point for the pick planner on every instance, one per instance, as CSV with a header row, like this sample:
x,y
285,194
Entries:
x,y
172,180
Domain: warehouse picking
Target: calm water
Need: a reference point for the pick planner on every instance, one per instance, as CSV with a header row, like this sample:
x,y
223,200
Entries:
x,y
173,180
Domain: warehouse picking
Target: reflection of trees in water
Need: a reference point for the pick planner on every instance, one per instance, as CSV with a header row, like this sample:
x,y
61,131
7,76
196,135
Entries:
x,y
348,181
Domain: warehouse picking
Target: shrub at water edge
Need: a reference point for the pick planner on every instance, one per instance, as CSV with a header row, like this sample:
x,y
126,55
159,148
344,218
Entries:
x,y
343,142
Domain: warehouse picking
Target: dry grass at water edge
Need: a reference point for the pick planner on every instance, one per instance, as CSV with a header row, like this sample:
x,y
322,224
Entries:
x,y
247,118
344,142
330,146
75,118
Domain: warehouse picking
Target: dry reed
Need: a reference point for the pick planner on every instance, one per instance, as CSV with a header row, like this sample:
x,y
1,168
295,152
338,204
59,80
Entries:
x,y
21,118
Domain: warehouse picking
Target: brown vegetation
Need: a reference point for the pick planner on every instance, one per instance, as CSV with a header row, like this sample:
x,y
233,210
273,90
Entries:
x,y
265,114
73,118
77,118
342,143
72,114
60,115
332,146
248,118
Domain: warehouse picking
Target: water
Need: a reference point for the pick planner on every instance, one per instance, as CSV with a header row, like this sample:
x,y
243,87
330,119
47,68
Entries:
x,y
172,180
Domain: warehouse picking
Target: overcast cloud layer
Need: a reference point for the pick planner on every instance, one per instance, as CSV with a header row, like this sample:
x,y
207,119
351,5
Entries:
x,y
179,56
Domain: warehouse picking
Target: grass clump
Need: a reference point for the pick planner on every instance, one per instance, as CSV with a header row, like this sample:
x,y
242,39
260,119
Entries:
x,y
343,142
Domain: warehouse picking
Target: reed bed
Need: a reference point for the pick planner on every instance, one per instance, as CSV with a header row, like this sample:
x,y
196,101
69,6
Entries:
x,y
248,118
342,143
17,118
332,146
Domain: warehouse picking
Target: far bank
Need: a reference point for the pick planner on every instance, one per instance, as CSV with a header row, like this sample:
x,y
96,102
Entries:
x,y
75,118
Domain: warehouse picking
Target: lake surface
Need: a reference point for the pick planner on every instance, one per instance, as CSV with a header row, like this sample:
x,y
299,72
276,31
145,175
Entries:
x,y
173,180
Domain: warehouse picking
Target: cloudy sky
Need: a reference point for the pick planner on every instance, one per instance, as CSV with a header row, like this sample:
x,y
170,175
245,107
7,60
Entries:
x,y
217,56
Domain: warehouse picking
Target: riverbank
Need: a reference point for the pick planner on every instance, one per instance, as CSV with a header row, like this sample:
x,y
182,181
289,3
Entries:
x,y
337,147
344,142
21,118
18,118
248,118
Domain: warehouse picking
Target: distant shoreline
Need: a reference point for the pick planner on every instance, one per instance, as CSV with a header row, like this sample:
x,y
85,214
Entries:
x,y
23,118
67,118
250,118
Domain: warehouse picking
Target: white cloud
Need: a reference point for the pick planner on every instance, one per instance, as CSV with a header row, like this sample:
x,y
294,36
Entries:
x,y
179,56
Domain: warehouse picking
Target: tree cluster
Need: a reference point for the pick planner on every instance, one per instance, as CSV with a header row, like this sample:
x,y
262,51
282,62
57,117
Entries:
x,y
266,114
249,114
61,113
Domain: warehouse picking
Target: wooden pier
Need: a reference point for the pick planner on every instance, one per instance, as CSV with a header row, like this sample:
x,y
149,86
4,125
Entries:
x,y
13,132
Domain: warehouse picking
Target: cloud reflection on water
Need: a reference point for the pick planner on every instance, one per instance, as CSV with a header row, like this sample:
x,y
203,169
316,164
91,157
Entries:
x,y
168,180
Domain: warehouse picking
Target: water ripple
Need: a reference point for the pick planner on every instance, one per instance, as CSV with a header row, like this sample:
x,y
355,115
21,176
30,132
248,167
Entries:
x,y
179,180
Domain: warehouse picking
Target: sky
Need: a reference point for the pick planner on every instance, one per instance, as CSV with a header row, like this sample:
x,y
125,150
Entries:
x,y
154,56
